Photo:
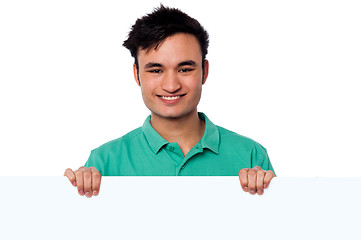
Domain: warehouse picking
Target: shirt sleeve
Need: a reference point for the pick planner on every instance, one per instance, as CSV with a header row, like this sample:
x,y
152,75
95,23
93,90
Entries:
x,y
95,161
260,158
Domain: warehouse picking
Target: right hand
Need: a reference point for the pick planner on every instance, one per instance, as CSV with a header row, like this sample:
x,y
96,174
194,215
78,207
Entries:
x,y
87,180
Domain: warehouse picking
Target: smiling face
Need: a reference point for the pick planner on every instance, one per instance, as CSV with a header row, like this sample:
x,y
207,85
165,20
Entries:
x,y
171,76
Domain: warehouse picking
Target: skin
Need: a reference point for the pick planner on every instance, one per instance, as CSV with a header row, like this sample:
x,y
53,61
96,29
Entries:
x,y
87,180
173,69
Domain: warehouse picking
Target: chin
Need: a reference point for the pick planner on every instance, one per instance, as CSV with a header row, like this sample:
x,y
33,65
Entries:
x,y
168,115
172,114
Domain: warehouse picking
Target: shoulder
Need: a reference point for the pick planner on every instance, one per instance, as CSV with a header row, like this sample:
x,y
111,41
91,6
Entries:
x,y
119,142
228,135
237,140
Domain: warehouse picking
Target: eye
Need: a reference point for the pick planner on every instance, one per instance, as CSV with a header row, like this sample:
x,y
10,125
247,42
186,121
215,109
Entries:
x,y
155,71
185,70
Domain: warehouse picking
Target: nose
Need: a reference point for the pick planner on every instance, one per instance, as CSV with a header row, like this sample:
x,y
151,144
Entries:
x,y
171,83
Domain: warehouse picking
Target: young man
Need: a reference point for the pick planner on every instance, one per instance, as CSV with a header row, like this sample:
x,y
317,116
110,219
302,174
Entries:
x,y
169,49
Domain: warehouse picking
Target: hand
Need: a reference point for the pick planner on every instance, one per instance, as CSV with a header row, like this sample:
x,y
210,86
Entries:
x,y
255,180
86,179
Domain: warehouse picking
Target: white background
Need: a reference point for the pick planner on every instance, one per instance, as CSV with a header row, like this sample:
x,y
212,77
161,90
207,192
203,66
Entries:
x,y
284,73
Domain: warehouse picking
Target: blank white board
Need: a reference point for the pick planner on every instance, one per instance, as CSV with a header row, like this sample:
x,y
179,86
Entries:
x,y
180,208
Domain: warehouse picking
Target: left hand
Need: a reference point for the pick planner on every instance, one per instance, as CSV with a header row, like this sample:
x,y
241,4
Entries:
x,y
255,180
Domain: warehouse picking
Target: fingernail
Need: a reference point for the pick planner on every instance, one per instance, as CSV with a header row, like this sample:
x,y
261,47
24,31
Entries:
x,y
265,185
81,192
245,189
87,194
95,193
252,192
260,192
74,183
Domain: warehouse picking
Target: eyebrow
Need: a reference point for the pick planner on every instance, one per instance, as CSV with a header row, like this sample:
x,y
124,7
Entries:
x,y
152,65
185,63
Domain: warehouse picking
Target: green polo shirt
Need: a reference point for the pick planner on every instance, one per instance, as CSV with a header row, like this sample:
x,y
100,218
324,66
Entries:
x,y
143,152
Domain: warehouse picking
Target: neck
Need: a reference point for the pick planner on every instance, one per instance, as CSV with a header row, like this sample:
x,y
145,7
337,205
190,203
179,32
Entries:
x,y
186,131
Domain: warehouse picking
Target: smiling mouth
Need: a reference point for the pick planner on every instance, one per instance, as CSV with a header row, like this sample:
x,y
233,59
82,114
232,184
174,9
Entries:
x,y
171,97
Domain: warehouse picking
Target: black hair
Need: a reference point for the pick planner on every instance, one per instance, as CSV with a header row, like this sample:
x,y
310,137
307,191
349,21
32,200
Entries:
x,y
163,22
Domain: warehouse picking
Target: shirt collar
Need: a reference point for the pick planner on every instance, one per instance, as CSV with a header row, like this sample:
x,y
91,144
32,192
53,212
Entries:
x,y
210,137
155,141
209,140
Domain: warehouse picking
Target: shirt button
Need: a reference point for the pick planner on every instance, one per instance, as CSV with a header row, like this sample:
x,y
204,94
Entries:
x,y
171,148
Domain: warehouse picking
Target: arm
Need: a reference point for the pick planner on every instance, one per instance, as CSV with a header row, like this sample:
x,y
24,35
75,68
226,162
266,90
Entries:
x,y
87,180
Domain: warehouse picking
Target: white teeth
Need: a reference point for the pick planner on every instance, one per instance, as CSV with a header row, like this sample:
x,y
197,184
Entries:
x,y
170,98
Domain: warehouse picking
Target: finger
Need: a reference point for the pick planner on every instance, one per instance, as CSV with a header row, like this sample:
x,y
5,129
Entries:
x,y
96,179
268,177
80,181
87,178
71,176
259,184
243,178
257,168
252,178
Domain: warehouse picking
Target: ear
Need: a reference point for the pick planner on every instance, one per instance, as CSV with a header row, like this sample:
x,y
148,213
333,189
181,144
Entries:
x,y
136,75
205,71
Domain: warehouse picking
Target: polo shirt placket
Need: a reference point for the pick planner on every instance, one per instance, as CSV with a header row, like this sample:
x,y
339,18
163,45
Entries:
x,y
175,154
